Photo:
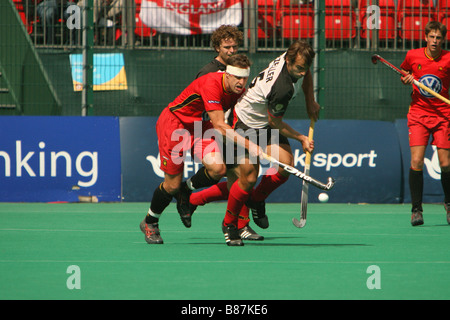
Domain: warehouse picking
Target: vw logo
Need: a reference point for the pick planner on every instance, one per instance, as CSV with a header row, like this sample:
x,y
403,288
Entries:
x,y
432,82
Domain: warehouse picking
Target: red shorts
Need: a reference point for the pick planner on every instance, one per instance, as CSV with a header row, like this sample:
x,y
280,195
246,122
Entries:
x,y
175,141
421,127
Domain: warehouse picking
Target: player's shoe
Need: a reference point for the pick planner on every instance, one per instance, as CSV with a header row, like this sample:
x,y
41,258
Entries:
x,y
447,208
258,209
183,206
247,233
231,235
192,208
416,217
151,231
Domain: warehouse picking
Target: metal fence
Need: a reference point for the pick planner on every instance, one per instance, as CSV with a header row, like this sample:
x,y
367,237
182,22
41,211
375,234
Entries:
x,y
267,24
165,43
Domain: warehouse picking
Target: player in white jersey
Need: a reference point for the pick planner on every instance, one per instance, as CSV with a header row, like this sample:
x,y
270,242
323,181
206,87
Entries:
x,y
262,107
269,92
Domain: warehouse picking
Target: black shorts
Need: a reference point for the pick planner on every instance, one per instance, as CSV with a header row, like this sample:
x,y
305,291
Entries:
x,y
262,137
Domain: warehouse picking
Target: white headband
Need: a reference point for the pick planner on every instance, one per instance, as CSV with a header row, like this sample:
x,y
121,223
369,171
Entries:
x,y
238,72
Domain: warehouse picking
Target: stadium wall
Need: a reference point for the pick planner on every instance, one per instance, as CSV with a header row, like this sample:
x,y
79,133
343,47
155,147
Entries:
x,y
71,159
354,87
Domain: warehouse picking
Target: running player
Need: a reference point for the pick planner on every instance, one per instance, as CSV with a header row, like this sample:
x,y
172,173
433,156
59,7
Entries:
x,y
261,110
226,41
201,105
427,115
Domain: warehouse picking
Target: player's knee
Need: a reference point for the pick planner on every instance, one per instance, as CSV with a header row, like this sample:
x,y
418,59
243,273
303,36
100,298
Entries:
x,y
250,178
217,171
172,187
251,181
247,184
172,183
289,160
417,164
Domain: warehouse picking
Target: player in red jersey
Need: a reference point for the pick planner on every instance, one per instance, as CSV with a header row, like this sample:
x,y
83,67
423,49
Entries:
x,y
428,116
183,126
226,41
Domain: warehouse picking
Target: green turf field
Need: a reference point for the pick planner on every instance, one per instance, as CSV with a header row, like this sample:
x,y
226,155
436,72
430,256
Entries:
x,y
328,259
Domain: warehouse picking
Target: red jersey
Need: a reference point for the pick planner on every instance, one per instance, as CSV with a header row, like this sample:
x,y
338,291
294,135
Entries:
x,y
435,74
206,93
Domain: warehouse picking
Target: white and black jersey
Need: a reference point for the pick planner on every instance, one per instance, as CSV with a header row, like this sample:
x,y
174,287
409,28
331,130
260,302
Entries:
x,y
269,92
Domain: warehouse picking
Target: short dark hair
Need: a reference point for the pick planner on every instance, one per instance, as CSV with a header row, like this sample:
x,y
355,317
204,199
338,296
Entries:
x,y
303,48
435,25
226,32
240,61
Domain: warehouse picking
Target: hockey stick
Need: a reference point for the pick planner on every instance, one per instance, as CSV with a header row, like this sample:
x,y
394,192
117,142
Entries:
x,y
305,187
301,175
376,58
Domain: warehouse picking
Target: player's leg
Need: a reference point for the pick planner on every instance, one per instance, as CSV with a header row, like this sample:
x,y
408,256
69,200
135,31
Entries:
x,y
210,174
272,181
245,231
416,184
239,193
162,196
217,192
419,135
172,164
269,182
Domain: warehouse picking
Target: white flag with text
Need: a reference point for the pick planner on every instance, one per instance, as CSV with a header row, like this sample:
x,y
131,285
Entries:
x,y
190,17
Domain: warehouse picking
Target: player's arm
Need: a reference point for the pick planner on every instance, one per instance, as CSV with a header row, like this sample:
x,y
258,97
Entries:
x,y
312,107
287,131
406,67
218,121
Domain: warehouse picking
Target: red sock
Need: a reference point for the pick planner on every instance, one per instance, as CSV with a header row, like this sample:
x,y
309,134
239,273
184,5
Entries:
x,y
236,200
243,217
215,193
267,185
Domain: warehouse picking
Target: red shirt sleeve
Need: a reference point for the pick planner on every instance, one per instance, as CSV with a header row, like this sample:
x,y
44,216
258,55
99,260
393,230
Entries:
x,y
406,64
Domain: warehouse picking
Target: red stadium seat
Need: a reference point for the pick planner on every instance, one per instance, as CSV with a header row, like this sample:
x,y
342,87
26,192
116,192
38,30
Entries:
x,y
388,18
413,15
266,19
443,12
340,20
296,20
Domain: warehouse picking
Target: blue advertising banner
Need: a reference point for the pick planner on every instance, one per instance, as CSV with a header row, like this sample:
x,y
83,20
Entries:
x,y
432,187
363,156
140,158
48,159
